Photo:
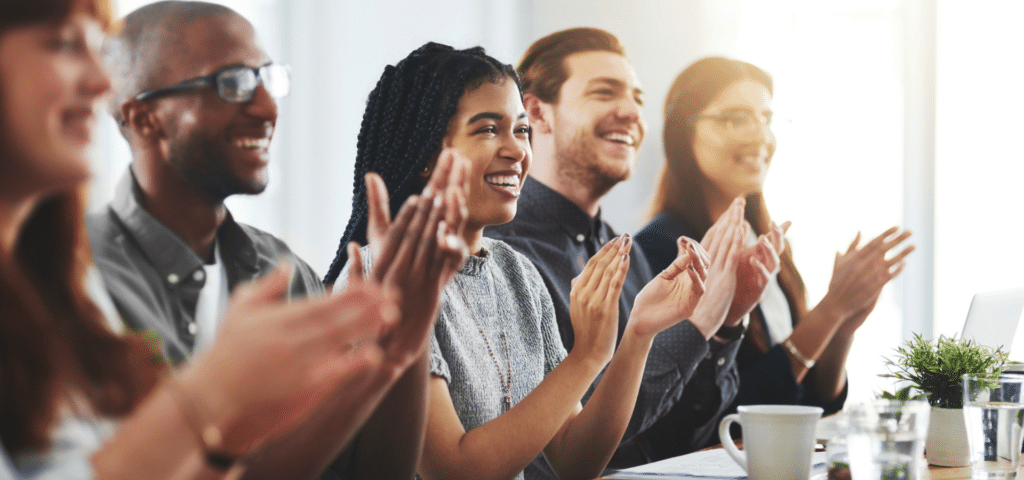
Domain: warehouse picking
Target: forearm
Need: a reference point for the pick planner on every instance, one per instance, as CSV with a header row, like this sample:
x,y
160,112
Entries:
x,y
156,441
829,373
505,445
306,451
584,448
671,363
813,334
390,443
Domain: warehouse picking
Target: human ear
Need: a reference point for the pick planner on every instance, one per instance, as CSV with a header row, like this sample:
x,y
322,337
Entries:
x,y
428,169
139,117
540,113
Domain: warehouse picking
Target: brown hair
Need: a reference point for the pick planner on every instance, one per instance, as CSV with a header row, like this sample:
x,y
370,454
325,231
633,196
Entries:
x,y
542,69
55,347
680,190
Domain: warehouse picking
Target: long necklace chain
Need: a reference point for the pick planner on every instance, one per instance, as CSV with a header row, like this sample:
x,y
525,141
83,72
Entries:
x,y
494,358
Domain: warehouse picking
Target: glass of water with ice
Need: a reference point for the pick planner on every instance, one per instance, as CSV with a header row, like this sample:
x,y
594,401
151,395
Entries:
x,y
994,412
886,439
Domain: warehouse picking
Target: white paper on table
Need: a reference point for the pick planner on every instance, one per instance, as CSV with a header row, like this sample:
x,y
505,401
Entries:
x,y
708,464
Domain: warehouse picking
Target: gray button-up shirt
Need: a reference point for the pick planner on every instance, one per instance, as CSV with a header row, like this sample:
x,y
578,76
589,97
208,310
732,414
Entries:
x,y
155,278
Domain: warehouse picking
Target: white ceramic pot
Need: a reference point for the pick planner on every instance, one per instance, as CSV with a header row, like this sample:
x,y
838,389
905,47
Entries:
x,y
946,445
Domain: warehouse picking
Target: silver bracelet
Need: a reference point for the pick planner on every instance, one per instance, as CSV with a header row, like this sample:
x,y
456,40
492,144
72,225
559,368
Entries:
x,y
807,363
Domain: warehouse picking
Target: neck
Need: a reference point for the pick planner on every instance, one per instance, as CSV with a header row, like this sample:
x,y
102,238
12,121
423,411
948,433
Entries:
x,y
189,213
13,215
473,236
545,169
717,200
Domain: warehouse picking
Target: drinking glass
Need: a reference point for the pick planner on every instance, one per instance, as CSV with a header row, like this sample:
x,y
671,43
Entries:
x,y
886,439
994,413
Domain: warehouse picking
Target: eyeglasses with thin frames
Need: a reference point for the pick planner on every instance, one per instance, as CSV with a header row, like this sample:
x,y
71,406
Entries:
x,y
234,84
740,122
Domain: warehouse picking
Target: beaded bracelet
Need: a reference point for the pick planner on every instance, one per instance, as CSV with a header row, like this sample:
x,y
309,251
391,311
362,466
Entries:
x,y
209,438
807,362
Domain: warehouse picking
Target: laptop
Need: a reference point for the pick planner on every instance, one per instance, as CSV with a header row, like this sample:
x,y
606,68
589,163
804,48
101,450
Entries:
x,y
993,319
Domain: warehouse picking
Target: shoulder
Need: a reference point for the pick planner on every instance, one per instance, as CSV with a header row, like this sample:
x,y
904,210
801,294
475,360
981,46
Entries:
x,y
102,229
657,240
275,250
514,265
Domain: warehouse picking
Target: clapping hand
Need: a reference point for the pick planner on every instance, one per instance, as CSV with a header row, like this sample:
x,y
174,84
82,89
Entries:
x,y
274,362
673,295
417,254
594,299
723,242
859,275
754,270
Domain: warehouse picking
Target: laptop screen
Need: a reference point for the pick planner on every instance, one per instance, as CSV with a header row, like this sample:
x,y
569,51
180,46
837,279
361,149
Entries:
x,y
993,321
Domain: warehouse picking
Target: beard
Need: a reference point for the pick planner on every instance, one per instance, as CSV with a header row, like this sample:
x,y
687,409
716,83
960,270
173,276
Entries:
x,y
579,161
204,165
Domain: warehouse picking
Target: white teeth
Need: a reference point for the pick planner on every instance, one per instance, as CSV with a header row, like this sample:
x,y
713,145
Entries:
x,y
260,143
751,159
619,138
503,180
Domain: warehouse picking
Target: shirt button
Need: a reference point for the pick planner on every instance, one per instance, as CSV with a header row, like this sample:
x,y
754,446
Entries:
x,y
580,238
603,240
192,328
721,361
173,278
198,275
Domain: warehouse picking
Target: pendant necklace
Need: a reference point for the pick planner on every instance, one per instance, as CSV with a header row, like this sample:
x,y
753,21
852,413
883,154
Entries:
x,y
507,381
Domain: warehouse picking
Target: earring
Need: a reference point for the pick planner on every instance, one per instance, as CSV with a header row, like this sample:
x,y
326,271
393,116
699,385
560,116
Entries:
x,y
426,169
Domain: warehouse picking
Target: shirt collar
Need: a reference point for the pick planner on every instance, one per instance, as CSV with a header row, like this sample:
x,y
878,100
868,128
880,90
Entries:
x,y
164,249
575,221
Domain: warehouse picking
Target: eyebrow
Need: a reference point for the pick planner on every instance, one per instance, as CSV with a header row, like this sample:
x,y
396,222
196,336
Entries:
x,y
615,83
490,115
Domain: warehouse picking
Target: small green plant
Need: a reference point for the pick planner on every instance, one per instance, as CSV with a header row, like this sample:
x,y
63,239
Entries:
x,y
937,369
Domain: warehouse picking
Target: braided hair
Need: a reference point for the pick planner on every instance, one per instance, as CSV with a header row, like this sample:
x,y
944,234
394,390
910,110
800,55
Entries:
x,y
405,122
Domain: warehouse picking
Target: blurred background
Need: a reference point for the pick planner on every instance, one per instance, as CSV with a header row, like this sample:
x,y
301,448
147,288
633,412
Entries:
x,y
889,112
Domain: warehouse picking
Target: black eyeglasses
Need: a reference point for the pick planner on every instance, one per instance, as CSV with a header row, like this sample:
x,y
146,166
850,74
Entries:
x,y
235,84
740,123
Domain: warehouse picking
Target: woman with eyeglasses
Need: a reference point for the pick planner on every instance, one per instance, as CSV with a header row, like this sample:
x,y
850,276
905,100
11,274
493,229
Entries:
x,y
718,146
503,390
81,399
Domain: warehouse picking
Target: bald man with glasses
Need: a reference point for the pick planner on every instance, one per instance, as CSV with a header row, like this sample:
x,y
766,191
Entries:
x,y
196,96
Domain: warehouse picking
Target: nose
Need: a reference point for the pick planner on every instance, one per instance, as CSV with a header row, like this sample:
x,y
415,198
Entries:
x,y
262,105
95,81
762,133
629,109
514,149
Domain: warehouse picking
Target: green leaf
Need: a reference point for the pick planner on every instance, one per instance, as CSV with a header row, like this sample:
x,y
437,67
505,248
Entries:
x,y
937,368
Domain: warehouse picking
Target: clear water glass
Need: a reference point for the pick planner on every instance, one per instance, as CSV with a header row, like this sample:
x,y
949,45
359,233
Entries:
x,y
994,412
886,439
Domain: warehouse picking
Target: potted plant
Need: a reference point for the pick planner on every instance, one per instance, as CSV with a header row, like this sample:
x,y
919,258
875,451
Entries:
x,y
936,370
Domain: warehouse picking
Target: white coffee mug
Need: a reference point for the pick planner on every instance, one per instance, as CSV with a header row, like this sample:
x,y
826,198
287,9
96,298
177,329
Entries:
x,y
777,440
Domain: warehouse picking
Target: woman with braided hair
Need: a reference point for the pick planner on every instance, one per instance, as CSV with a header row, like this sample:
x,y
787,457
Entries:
x,y
503,390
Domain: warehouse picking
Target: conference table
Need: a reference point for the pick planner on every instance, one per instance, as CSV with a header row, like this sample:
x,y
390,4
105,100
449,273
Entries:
x,y
934,472
938,473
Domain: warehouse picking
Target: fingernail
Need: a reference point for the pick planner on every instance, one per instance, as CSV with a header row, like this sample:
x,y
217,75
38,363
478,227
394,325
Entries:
x,y
437,202
453,242
427,191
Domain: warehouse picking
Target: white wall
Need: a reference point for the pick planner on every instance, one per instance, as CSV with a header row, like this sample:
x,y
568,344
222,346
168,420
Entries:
x,y
840,72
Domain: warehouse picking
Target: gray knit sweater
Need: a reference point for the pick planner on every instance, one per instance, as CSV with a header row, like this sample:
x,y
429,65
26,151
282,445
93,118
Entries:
x,y
509,300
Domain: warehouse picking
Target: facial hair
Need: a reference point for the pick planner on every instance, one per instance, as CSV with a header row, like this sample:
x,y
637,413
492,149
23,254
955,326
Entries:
x,y
204,165
579,163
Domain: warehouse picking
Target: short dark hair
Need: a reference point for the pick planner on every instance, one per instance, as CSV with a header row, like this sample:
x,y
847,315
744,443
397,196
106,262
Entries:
x,y
405,122
542,67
